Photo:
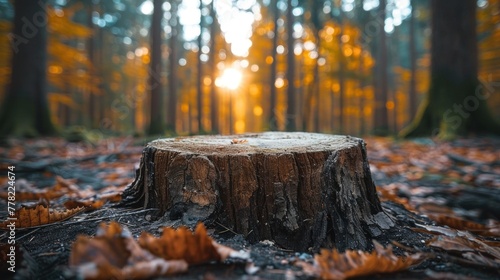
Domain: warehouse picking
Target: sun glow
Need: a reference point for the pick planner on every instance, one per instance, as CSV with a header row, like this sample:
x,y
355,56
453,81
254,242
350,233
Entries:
x,y
230,79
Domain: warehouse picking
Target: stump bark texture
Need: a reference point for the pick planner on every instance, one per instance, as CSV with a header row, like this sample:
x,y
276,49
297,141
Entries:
x,y
300,190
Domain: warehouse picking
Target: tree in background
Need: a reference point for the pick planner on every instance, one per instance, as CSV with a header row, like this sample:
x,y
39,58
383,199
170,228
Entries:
x,y
156,125
381,123
456,102
273,6
413,62
214,30
172,67
25,110
291,114
199,75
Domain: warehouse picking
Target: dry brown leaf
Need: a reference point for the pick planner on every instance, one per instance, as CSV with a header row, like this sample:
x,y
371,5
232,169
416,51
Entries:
x,y
435,230
112,194
390,195
331,264
87,204
464,242
26,191
193,247
39,215
456,222
114,254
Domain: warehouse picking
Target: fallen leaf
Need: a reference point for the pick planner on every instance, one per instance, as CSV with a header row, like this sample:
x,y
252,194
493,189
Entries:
x,y
456,222
193,247
435,230
87,204
26,191
112,194
39,215
464,242
330,264
114,254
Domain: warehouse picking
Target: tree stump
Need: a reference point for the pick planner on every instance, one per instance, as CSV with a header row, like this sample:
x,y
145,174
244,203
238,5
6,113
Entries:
x,y
301,190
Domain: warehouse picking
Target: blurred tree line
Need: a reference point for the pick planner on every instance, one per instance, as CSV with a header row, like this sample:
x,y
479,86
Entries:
x,y
184,67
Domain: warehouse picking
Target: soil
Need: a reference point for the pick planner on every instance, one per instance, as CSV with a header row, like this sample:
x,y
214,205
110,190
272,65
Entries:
x,y
45,250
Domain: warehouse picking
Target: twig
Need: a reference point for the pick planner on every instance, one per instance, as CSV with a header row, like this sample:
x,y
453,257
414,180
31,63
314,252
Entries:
x,y
112,216
226,229
27,234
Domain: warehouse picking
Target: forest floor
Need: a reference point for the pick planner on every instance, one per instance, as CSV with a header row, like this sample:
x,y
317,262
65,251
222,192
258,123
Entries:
x,y
444,198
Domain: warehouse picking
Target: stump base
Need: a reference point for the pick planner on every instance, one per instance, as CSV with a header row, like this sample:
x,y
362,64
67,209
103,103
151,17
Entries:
x,y
301,190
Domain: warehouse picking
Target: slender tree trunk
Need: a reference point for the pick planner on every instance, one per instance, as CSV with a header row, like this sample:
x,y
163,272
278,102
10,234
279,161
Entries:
x,y
93,123
272,104
395,38
456,102
25,110
316,84
413,63
291,115
156,125
199,76
214,112
172,73
381,125
341,82
362,127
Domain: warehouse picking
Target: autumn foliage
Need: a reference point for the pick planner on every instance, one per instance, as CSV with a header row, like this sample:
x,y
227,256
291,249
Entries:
x,y
113,253
331,264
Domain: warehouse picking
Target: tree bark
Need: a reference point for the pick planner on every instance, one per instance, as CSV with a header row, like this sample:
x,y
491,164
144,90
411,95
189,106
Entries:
x,y
25,110
381,123
199,76
291,114
273,124
302,190
172,67
413,63
157,123
456,102
214,111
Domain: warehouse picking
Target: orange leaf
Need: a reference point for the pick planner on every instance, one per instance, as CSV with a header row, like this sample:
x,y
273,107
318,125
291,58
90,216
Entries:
x,y
331,264
195,248
26,191
38,216
456,222
114,254
88,204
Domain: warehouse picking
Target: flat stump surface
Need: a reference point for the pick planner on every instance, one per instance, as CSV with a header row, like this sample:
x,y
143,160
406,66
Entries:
x,y
300,190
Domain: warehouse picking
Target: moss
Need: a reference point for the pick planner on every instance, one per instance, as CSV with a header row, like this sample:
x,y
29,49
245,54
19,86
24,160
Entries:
x,y
451,109
19,118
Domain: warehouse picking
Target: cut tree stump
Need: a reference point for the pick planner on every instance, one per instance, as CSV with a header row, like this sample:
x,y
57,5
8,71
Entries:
x,y
301,190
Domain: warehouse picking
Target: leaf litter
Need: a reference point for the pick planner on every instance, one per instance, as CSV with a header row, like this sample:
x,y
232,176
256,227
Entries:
x,y
452,190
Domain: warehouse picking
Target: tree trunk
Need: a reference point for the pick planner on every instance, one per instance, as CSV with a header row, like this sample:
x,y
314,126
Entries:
x,y
25,110
381,124
341,77
291,115
172,73
157,124
214,111
273,124
199,76
302,190
456,102
413,63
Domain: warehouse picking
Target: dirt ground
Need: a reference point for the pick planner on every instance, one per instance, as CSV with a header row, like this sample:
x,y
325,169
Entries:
x,y
426,178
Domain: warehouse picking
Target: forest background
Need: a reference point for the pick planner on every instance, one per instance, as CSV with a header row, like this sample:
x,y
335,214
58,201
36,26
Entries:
x,y
193,67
